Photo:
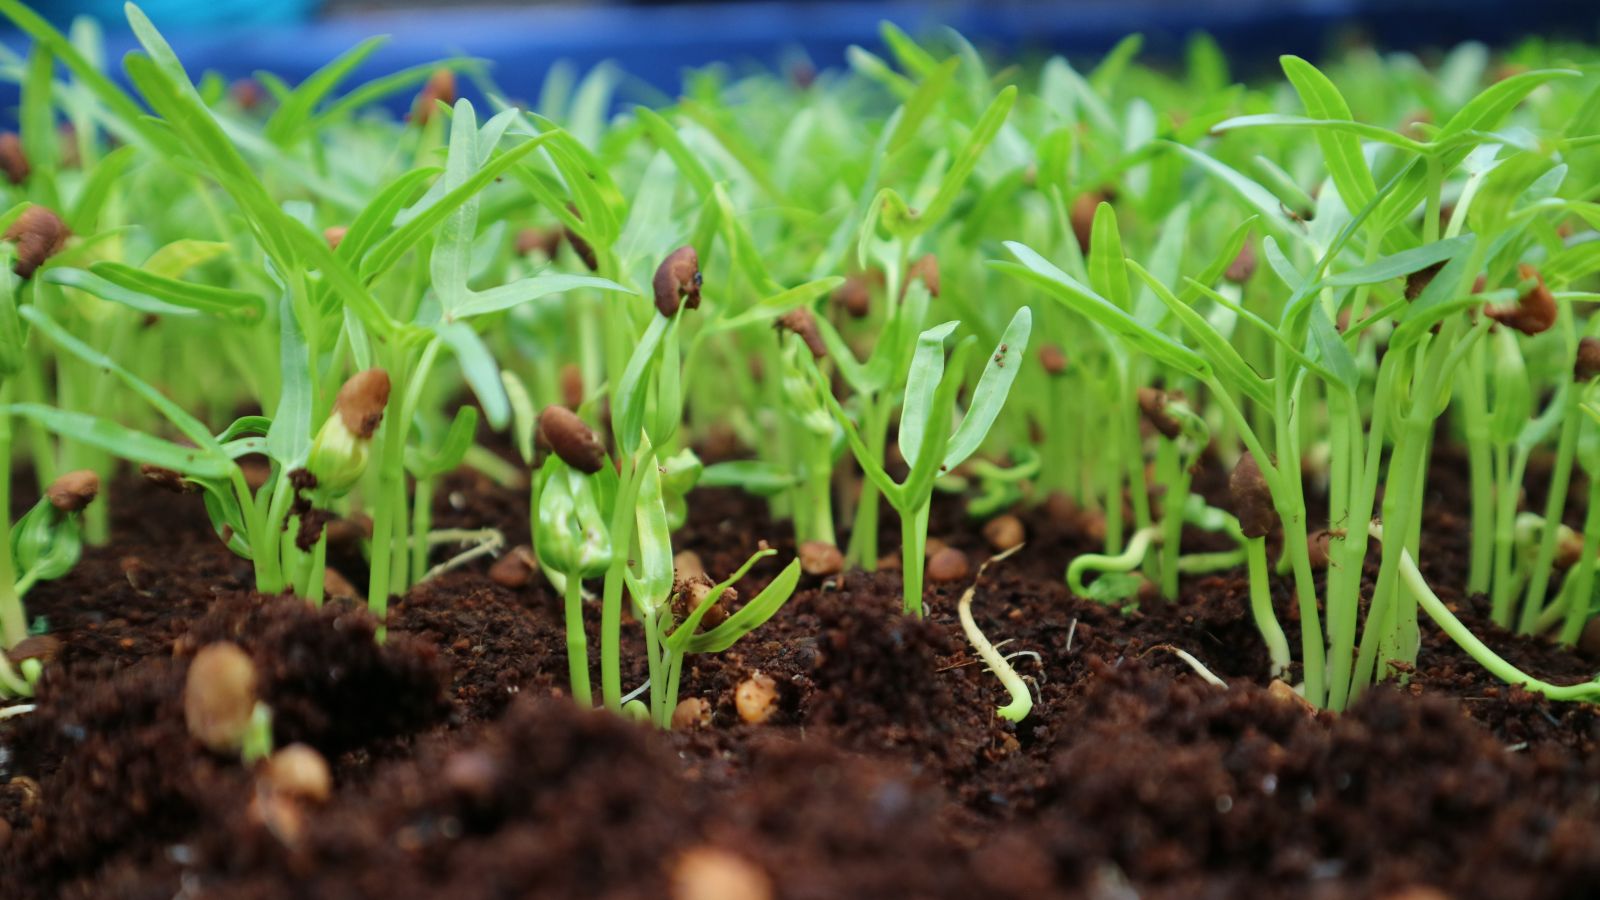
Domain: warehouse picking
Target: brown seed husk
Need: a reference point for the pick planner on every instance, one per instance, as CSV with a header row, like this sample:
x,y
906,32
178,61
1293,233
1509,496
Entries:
x,y
677,281
74,490
42,647
246,92
1418,281
167,479
1587,365
689,592
926,268
820,558
1252,501
572,440
1053,359
441,88
803,323
334,235
1082,217
13,162
39,234
855,295
544,240
220,696
361,401
1243,265
571,378
1153,403
1534,312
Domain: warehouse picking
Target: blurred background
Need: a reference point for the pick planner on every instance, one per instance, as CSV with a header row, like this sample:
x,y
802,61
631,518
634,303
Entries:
x,y
656,41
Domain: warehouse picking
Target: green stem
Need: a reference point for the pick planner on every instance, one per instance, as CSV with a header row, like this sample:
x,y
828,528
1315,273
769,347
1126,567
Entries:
x,y
421,524
913,551
622,526
1480,464
1582,594
1464,638
577,642
1129,559
1261,606
863,550
1399,505
1555,503
1509,465
13,618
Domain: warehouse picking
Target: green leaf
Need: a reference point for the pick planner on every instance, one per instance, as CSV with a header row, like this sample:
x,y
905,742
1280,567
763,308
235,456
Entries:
x,y
629,400
533,287
1259,198
994,386
452,450
1107,275
188,425
289,441
1058,284
240,305
1219,351
105,290
935,85
178,257
524,416
752,475
1399,265
479,368
124,442
922,382
294,110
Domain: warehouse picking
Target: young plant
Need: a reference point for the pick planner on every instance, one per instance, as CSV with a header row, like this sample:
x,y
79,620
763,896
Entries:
x,y
927,443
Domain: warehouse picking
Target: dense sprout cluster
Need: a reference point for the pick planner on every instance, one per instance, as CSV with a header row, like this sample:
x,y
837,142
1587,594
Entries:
x,y
856,291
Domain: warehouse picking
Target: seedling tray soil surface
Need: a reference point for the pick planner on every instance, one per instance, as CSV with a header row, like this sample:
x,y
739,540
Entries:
x,y
461,769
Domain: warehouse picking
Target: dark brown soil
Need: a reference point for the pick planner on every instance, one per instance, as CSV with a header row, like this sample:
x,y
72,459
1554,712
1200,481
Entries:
x,y
462,769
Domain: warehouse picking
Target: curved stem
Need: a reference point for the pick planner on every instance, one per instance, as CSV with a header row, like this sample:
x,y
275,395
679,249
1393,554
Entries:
x,y
1555,503
1021,699
1126,561
1261,607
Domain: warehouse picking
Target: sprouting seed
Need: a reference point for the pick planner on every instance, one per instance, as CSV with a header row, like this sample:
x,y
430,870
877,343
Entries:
x,y
39,234
1252,500
677,281
1534,312
571,439
74,491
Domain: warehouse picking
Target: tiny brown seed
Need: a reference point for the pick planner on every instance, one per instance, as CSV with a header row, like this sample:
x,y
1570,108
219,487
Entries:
x,y
219,696
337,587
948,565
1004,532
1282,691
334,235
299,771
820,558
246,93
1317,548
42,647
361,401
571,439
1082,217
756,698
74,491
543,240
167,479
1418,281
691,712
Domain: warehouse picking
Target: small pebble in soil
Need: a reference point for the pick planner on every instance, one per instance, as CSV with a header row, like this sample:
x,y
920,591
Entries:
x,y
1282,691
299,771
1004,532
219,696
756,698
515,569
948,565
710,873
691,712
820,558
